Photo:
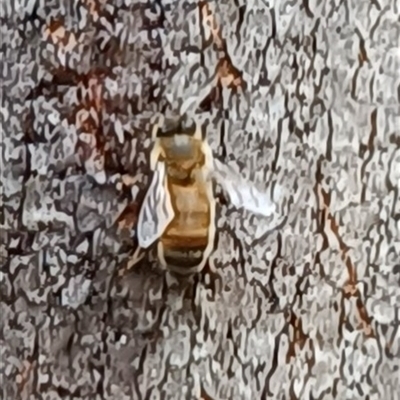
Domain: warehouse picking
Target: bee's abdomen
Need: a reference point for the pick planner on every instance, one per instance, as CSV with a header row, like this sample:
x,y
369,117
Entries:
x,y
183,255
184,258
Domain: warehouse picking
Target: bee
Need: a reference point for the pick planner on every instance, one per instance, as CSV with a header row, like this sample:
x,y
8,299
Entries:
x,y
178,210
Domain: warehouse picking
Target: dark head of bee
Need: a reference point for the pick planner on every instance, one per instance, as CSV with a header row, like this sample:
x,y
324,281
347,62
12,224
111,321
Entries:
x,y
177,124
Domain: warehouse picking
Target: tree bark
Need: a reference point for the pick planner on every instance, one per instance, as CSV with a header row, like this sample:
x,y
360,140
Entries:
x,y
299,98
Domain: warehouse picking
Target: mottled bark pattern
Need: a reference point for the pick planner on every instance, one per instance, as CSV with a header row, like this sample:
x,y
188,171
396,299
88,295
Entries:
x,y
300,96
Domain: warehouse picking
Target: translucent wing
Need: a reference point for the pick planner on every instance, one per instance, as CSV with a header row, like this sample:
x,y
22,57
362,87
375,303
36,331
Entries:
x,y
156,212
241,193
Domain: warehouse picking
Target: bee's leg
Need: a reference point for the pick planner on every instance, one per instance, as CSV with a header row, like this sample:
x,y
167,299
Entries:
x,y
273,297
220,196
134,260
210,279
222,146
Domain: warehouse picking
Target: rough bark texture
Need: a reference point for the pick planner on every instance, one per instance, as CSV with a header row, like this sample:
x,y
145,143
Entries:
x,y
300,94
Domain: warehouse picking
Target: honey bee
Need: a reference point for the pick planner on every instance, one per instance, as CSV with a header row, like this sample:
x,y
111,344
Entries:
x,y
179,208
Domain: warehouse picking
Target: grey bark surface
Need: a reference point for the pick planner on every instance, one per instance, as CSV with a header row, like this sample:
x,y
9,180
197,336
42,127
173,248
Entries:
x,y
307,308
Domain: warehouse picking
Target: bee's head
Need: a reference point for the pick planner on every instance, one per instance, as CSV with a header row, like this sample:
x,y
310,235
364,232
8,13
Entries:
x,y
176,124
179,143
